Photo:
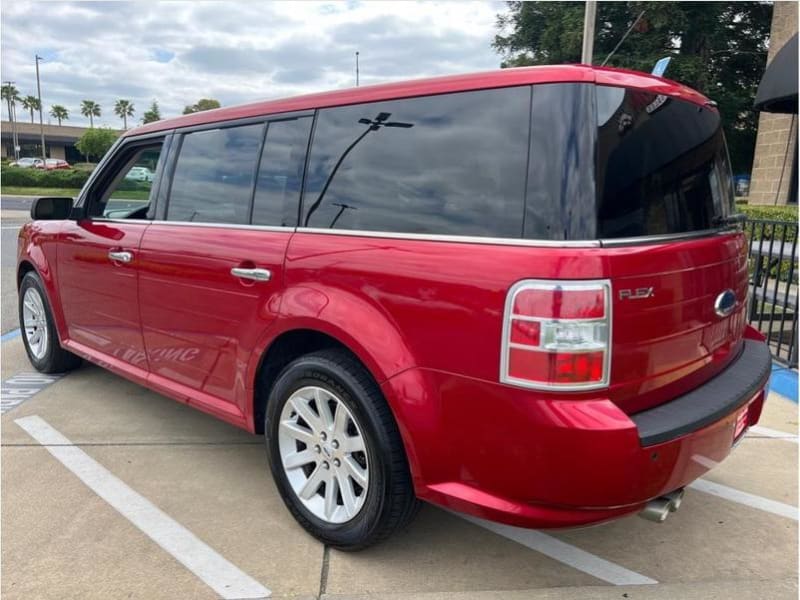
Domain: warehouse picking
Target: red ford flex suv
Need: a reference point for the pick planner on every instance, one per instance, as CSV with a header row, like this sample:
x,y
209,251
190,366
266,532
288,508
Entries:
x,y
518,294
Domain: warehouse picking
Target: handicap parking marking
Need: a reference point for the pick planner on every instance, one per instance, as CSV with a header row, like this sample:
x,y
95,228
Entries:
x,y
759,431
564,553
14,333
751,500
23,386
225,578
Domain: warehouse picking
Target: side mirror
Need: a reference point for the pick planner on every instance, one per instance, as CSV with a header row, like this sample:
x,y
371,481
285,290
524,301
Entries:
x,y
51,208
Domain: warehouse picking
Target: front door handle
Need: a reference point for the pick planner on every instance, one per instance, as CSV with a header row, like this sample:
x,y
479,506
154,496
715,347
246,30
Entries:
x,y
254,274
120,256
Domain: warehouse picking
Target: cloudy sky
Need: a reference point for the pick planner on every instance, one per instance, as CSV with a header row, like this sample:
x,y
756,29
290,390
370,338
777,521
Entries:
x,y
237,51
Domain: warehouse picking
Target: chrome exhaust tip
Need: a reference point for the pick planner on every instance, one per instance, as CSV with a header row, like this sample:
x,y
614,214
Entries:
x,y
658,510
676,498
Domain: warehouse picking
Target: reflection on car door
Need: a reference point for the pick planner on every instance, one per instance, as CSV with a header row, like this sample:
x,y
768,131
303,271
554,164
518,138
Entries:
x,y
210,282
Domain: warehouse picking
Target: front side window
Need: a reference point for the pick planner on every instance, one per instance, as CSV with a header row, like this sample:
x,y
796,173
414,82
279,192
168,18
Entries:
x,y
214,175
131,193
450,164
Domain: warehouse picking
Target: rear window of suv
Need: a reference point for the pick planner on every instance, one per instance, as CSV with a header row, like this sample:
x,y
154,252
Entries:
x,y
662,165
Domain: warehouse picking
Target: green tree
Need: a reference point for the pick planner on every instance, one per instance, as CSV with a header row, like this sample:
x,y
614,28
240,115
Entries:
x,y
31,103
717,48
91,109
59,112
124,109
153,114
94,143
201,105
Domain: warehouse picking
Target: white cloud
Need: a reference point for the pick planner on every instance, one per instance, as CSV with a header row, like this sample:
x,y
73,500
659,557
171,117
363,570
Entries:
x,y
178,52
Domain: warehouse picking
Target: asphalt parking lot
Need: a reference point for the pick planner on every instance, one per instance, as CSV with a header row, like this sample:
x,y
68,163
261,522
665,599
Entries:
x,y
112,491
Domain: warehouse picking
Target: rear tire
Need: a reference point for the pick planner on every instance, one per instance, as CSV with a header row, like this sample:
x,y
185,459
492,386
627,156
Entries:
x,y
39,335
320,460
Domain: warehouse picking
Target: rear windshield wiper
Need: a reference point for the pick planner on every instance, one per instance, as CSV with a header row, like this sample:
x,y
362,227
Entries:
x,y
734,219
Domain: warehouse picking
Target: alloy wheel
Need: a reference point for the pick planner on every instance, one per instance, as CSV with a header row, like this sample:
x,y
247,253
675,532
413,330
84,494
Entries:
x,y
34,320
323,454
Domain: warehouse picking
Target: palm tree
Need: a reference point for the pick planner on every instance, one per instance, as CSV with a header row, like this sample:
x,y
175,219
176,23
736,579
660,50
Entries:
x,y
59,112
91,109
31,103
11,95
124,109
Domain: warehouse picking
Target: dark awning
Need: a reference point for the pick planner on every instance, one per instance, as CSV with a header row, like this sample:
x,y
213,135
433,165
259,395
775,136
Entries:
x,y
777,91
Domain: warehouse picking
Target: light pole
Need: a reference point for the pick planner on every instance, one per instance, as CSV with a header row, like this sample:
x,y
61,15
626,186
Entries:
x,y
356,68
588,32
41,121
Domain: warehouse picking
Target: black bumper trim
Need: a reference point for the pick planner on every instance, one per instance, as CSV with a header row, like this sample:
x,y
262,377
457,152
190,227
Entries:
x,y
711,401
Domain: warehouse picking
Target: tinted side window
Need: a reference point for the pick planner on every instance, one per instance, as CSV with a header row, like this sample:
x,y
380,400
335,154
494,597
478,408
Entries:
x,y
281,172
560,202
214,175
449,164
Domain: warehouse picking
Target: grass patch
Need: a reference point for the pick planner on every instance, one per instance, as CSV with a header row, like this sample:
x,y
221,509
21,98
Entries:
x,y
16,190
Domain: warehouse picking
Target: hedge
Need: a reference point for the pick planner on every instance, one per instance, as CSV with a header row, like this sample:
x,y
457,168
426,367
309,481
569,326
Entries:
x,y
769,213
58,178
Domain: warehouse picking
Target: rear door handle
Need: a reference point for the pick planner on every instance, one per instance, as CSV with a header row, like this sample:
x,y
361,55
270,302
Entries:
x,y
254,274
120,256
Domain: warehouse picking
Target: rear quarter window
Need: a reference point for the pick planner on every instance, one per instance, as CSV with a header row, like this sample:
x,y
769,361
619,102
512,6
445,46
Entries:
x,y
452,164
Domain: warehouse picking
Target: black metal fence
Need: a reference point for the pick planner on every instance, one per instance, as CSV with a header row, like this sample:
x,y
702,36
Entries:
x,y
774,285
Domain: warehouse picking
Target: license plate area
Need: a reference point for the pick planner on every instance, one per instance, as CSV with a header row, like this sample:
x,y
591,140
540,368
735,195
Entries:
x,y
741,423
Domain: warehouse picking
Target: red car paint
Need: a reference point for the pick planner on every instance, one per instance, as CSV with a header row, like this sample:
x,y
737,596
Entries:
x,y
425,317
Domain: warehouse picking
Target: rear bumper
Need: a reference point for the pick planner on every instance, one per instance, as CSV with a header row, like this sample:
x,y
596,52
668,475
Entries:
x,y
711,401
511,456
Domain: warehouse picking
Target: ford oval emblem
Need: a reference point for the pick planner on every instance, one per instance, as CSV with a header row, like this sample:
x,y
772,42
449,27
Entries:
x,y
725,303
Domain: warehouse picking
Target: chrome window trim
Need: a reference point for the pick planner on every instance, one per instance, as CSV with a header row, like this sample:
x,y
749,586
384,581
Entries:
x,y
198,224
666,237
468,239
464,239
570,284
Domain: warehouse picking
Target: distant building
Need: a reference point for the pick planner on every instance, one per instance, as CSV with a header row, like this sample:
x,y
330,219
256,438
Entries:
x,y
774,175
59,140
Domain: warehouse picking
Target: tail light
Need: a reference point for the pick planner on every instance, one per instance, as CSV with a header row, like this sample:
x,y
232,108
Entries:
x,y
557,335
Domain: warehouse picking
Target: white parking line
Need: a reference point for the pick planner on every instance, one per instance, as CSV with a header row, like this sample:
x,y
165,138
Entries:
x,y
734,495
565,553
225,578
758,430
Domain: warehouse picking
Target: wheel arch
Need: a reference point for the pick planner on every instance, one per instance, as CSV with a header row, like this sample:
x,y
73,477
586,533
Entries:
x,y
291,343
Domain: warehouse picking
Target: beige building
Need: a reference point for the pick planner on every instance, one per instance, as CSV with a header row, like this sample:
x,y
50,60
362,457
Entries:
x,y
774,175
59,140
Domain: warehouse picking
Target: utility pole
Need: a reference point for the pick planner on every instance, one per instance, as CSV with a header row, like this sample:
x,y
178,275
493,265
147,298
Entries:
x,y
356,68
41,121
588,32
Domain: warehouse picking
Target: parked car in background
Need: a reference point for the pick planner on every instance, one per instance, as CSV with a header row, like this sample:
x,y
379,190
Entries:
x,y
140,174
52,163
28,163
518,294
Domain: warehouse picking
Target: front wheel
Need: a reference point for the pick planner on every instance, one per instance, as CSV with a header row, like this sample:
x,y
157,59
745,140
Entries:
x,y
39,334
335,451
